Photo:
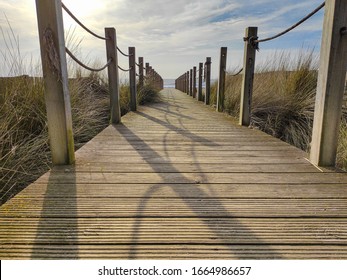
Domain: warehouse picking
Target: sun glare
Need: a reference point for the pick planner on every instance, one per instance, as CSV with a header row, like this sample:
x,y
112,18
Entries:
x,y
81,9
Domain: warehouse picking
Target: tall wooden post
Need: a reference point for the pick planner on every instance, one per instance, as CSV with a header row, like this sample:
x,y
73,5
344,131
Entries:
x,y
132,78
187,83
147,70
54,67
221,80
191,82
113,75
141,79
208,80
194,82
200,82
330,86
248,75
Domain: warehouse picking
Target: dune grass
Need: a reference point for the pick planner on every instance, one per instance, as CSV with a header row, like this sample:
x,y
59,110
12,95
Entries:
x,y
24,147
283,100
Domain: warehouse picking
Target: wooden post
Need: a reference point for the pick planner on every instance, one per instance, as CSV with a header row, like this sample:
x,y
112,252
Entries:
x,y
113,75
147,70
200,82
187,83
208,80
221,80
54,67
141,79
132,78
330,86
194,82
248,75
191,82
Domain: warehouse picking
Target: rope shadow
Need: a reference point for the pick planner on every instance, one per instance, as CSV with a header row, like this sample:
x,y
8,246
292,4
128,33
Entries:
x,y
198,207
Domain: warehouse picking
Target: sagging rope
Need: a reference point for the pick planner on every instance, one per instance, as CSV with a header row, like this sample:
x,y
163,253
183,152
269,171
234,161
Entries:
x,y
81,24
254,41
127,55
233,75
85,66
124,70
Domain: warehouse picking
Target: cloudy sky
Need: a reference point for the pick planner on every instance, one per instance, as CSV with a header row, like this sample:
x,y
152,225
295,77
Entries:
x,y
173,35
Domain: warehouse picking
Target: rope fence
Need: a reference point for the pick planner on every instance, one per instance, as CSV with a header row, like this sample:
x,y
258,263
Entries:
x,y
237,73
85,66
330,88
81,24
123,53
124,70
292,27
55,73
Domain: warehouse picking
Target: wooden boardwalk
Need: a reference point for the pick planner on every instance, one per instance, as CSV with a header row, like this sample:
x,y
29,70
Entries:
x,y
178,180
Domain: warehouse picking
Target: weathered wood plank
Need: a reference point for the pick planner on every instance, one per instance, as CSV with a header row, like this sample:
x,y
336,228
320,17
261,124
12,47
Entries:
x,y
186,190
189,178
183,207
99,167
173,231
155,251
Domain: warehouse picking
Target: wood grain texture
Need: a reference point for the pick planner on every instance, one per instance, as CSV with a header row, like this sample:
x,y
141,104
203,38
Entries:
x,y
177,180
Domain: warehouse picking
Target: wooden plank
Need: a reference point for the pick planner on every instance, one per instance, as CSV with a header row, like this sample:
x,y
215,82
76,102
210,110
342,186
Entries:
x,y
189,178
183,207
173,231
193,153
160,159
38,190
183,251
98,167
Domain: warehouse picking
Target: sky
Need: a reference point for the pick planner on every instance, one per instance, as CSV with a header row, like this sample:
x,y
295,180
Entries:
x,y
172,35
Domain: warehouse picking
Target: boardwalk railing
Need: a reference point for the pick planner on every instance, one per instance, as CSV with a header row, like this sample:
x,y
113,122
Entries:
x,y
330,85
187,81
54,67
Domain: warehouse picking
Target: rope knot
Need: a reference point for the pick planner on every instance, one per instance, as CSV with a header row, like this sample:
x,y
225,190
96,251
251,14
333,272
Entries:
x,y
252,40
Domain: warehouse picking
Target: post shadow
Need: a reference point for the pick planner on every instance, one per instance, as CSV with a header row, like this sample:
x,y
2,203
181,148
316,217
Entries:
x,y
57,230
196,205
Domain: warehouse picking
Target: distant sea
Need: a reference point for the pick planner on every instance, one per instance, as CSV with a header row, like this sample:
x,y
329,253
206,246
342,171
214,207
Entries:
x,y
170,83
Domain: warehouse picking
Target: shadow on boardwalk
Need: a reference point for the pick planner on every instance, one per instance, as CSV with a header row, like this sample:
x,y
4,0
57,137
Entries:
x,y
196,205
57,228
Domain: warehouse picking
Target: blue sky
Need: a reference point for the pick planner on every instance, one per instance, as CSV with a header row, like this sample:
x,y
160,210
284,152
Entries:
x,y
173,36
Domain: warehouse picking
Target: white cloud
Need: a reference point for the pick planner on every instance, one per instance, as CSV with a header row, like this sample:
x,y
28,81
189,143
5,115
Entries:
x,y
172,35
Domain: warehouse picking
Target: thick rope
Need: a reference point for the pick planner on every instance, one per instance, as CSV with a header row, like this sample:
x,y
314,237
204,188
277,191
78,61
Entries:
x,y
233,75
85,66
292,27
124,70
123,52
81,24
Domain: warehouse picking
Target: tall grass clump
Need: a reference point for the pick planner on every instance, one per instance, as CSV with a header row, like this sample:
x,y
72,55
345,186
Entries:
x,y
24,147
283,100
283,97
